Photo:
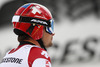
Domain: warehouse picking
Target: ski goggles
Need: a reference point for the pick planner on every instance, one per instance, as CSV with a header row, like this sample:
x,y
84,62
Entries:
x,y
50,29
48,24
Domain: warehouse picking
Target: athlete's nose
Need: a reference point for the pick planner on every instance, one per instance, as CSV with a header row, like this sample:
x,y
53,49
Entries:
x,y
53,34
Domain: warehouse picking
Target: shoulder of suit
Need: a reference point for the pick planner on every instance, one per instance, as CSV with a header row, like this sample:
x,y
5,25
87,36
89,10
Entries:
x,y
39,52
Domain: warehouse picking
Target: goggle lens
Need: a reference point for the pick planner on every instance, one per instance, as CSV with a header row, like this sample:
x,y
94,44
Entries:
x,y
50,29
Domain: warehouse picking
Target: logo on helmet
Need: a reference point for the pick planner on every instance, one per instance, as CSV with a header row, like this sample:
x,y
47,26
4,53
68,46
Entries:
x,y
35,10
39,21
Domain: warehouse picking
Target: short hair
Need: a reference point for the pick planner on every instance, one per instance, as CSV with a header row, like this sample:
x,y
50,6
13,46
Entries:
x,y
23,37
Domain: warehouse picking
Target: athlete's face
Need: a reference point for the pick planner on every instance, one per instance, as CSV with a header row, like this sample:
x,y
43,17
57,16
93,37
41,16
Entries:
x,y
47,39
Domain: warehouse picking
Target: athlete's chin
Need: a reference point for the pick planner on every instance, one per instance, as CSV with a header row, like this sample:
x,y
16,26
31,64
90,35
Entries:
x,y
49,45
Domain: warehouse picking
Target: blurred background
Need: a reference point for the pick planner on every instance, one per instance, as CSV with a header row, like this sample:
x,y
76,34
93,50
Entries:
x,y
77,28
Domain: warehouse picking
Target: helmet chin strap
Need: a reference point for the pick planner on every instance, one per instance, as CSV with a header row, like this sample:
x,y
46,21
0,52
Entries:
x,y
41,44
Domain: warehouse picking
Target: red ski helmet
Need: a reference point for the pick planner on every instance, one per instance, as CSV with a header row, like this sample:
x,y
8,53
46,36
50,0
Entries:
x,y
31,18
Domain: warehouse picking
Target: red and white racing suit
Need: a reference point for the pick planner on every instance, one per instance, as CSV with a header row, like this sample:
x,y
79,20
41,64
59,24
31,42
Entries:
x,y
26,55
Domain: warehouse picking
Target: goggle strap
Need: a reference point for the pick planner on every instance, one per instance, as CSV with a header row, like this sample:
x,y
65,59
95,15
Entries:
x,y
31,20
34,20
